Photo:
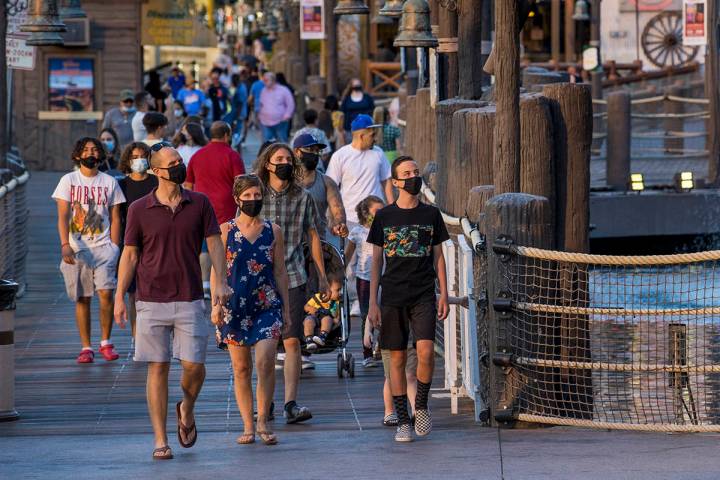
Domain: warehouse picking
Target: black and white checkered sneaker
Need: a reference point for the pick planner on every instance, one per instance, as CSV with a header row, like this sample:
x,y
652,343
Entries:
x,y
423,422
404,433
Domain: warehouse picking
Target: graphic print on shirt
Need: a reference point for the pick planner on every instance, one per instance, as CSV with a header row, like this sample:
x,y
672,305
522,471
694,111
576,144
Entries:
x,y
87,221
408,241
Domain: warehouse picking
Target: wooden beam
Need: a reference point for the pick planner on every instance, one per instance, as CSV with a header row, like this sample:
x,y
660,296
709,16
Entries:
x,y
506,158
555,30
569,31
470,61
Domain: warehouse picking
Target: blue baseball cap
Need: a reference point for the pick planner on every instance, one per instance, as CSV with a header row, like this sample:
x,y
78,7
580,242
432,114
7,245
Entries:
x,y
362,122
307,140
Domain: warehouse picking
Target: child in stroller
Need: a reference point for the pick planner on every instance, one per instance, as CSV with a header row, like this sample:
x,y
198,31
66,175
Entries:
x,y
323,315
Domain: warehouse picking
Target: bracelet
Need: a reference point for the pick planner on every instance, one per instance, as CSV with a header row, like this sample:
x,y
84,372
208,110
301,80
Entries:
x,y
61,246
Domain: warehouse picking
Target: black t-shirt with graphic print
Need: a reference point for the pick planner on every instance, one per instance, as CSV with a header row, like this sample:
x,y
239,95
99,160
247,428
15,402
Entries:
x,y
407,237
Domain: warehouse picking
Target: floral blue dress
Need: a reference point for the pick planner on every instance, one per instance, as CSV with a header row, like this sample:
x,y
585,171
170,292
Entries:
x,y
254,311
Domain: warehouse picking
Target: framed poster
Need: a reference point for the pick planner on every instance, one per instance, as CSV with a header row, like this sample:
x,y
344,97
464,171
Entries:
x,y
694,16
71,84
312,20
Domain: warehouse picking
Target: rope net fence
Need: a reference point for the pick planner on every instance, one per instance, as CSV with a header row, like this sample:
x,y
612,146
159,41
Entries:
x,y
608,341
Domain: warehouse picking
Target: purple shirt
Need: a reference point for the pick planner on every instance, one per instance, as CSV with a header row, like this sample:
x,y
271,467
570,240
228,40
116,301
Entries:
x,y
169,246
276,105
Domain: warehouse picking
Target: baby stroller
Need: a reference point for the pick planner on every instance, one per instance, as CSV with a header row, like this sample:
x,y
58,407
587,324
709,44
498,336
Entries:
x,y
334,259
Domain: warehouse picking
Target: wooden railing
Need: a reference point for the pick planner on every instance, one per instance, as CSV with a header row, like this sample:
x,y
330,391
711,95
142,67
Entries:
x,y
382,79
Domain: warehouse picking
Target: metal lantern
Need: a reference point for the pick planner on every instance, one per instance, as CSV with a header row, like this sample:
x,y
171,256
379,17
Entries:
x,y
415,28
379,18
351,7
43,23
581,11
392,8
73,9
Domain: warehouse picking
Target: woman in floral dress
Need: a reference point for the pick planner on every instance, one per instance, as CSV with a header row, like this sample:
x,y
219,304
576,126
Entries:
x,y
254,314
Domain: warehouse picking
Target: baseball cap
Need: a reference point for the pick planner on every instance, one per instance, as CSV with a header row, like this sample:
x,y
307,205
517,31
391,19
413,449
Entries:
x,y
307,140
127,95
363,121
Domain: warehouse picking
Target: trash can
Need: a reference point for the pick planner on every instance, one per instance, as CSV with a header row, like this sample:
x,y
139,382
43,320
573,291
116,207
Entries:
x,y
8,290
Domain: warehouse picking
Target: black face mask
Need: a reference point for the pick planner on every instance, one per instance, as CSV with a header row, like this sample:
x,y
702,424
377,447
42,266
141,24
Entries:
x,y
89,162
310,160
176,173
357,88
412,185
251,208
284,171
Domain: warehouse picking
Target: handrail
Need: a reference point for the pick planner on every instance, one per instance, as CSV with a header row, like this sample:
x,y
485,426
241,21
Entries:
x,y
471,232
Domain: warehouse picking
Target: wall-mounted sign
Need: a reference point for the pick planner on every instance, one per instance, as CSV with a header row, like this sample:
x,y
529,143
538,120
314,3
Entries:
x,y
174,22
71,84
694,14
649,5
312,20
19,55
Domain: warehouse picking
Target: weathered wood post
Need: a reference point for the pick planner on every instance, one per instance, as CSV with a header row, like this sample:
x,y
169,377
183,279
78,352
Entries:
x,y
410,126
469,38
572,121
537,147
673,124
425,128
448,32
526,219
712,91
453,179
506,157
619,130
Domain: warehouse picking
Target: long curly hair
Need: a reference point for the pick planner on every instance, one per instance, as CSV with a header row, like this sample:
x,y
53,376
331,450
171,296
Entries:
x,y
80,146
263,160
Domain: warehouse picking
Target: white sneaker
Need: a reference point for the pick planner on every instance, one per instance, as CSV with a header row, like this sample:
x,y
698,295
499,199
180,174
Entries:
x,y
355,309
307,364
369,362
403,433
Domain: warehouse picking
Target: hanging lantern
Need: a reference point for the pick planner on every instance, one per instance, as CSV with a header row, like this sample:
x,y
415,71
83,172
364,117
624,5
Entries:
x,y
73,9
581,11
379,18
392,8
351,7
415,26
43,23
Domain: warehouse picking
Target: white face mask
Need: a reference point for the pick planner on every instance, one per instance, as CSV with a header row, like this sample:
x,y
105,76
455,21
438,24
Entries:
x,y
139,165
178,113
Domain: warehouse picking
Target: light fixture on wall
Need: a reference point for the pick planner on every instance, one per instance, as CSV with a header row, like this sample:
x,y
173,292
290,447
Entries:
x,y
44,24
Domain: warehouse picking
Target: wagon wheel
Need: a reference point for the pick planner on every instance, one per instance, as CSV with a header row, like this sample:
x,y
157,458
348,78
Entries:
x,y
662,41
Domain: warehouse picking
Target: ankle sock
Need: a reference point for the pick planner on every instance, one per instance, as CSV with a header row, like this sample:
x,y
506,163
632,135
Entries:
x,y
87,348
105,342
401,409
421,399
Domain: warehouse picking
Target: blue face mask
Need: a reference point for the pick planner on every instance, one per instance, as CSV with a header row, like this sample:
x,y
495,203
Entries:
x,y
109,145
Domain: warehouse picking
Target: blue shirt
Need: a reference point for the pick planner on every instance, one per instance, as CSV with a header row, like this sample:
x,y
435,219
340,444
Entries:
x,y
192,100
255,90
176,84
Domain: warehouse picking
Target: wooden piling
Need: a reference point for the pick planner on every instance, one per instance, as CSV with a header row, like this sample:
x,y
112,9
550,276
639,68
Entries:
x,y
425,129
619,129
455,169
537,147
571,106
469,57
506,155
410,126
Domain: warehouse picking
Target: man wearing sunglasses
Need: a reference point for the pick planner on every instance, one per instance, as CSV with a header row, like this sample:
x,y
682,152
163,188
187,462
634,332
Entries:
x,y
163,237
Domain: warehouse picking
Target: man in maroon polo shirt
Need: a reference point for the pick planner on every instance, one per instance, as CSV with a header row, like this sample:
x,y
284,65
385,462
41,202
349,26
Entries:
x,y
163,236
212,171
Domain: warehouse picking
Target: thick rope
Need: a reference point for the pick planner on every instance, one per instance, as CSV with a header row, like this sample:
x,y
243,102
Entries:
x,y
670,115
649,312
571,422
615,367
646,260
668,135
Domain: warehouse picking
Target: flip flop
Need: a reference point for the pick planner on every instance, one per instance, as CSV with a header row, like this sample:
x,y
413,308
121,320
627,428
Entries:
x,y
246,439
267,437
186,430
166,453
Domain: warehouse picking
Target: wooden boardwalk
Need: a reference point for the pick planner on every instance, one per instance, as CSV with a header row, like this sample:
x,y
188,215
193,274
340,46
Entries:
x,y
90,421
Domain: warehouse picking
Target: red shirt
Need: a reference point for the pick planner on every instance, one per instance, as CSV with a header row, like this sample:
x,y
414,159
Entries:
x,y
212,171
169,246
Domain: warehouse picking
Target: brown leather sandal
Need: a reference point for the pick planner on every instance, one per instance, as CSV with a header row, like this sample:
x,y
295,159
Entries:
x,y
186,430
267,437
162,453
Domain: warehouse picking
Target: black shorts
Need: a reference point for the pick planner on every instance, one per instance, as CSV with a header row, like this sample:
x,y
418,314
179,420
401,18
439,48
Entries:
x,y
293,327
396,323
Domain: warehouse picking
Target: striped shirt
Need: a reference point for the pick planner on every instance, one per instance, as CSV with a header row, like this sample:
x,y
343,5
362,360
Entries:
x,y
293,210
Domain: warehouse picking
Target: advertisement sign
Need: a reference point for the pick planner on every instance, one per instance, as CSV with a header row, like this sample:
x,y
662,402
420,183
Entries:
x,y
19,55
174,22
694,15
71,84
312,20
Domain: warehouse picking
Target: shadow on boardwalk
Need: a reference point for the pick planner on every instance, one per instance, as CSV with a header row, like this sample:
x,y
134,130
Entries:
x,y
88,421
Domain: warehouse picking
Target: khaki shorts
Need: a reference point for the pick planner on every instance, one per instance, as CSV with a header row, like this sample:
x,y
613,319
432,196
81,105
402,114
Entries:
x,y
94,269
185,322
410,366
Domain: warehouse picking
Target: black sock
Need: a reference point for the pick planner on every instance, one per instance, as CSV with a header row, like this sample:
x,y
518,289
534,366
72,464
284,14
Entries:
x,y
401,409
421,399
289,405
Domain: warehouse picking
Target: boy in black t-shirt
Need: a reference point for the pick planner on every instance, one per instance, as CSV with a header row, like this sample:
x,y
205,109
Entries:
x,y
407,236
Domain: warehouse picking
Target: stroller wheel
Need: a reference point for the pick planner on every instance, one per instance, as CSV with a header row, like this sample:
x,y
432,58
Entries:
x,y
340,365
351,366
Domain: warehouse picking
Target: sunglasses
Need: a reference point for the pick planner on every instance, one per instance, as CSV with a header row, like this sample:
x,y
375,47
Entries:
x,y
159,146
